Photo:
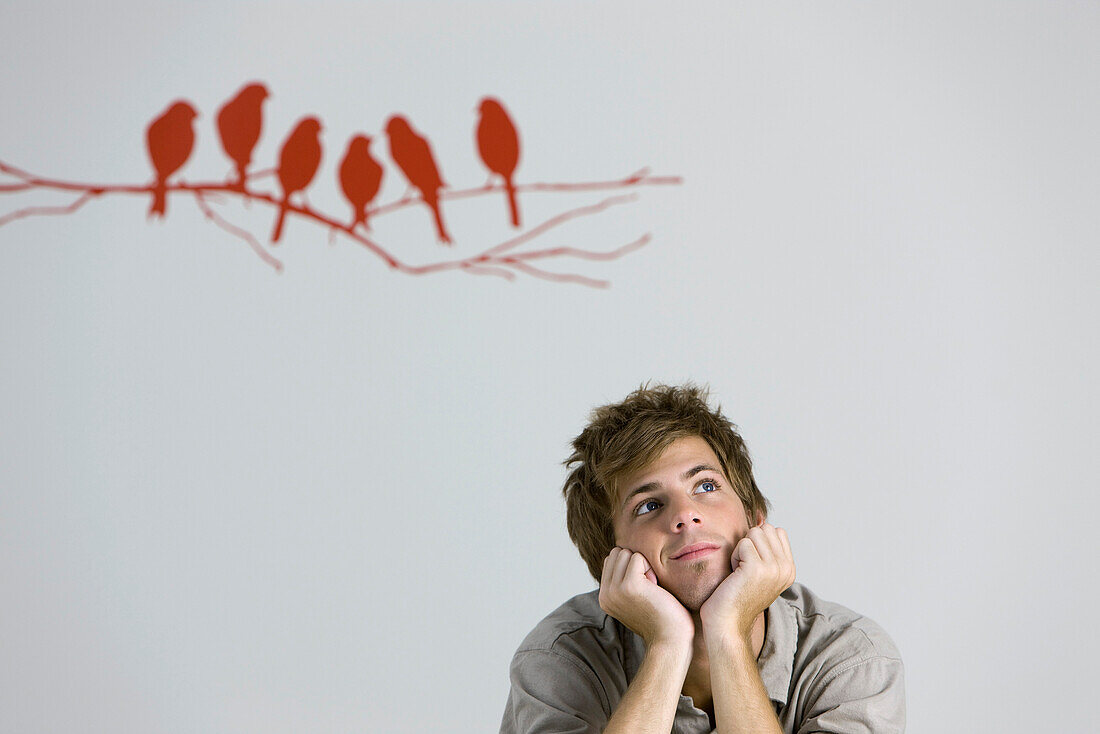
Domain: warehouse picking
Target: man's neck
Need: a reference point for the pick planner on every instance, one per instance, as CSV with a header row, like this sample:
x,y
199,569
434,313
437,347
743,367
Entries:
x,y
697,681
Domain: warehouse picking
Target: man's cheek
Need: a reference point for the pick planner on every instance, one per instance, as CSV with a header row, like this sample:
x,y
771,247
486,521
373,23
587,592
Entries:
x,y
664,579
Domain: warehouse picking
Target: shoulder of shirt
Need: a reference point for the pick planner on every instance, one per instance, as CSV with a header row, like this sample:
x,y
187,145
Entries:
x,y
832,630
577,626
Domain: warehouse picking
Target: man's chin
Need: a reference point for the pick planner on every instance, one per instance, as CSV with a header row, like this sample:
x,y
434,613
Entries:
x,y
693,594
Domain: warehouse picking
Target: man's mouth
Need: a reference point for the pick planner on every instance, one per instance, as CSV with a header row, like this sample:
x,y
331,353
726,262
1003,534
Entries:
x,y
693,551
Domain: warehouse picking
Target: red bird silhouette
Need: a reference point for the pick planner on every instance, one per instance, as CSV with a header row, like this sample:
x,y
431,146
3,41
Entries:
x,y
360,177
239,123
299,160
413,156
169,139
498,144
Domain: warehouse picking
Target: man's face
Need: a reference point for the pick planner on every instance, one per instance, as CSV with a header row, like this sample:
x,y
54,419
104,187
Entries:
x,y
682,514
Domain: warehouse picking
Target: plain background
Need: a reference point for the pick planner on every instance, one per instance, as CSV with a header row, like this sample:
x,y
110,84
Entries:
x,y
327,500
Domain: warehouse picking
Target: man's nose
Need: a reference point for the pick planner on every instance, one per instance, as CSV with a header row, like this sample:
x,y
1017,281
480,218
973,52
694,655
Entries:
x,y
684,516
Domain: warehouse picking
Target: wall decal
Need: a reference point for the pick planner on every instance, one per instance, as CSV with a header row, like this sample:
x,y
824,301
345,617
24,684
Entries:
x,y
170,141
240,121
498,146
299,160
360,179
413,156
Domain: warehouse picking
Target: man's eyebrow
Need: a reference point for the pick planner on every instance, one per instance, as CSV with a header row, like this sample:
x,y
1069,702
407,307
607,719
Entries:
x,y
652,486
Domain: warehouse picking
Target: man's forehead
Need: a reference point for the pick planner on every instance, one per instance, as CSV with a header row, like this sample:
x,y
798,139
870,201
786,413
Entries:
x,y
681,451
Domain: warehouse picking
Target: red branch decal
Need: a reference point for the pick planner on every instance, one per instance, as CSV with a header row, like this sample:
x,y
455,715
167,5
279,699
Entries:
x,y
170,139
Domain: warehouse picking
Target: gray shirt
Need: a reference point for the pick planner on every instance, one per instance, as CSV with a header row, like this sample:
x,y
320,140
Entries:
x,y
825,668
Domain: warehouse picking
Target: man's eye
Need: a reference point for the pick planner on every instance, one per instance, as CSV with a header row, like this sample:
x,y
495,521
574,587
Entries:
x,y
707,486
647,506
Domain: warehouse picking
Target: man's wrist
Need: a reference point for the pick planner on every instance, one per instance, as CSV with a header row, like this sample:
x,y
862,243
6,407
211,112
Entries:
x,y
726,641
671,644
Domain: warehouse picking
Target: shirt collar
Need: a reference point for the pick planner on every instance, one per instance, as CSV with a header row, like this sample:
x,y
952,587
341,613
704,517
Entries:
x,y
776,658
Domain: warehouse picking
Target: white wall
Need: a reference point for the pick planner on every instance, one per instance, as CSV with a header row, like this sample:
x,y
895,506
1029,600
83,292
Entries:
x,y
328,500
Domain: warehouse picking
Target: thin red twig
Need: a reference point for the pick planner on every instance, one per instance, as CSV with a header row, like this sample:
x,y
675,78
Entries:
x,y
585,254
238,232
495,257
558,220
36,211
487,270
557,277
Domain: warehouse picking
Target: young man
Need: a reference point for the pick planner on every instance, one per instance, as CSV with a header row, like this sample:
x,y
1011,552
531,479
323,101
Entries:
x,y
697,624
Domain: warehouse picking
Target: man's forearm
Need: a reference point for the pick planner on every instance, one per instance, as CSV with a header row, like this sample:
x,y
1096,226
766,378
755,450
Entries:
x,y
649,704
741,704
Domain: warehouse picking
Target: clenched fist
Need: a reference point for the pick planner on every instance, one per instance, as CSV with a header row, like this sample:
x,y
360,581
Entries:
x,y
629,593
763,567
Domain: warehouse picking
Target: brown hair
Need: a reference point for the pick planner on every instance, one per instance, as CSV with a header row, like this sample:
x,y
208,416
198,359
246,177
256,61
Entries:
x,y
623,438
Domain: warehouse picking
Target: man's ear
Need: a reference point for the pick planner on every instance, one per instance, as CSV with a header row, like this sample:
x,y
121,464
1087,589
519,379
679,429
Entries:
x,y
761,518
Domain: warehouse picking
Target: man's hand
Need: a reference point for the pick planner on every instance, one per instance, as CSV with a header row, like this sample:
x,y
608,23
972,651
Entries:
x,y
763,567
629,593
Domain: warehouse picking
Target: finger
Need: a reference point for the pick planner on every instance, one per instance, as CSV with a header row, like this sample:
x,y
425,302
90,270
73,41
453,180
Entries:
x,y
760,541
621,562
785,541
636,566
780,561
788,555
745,552
775,545
780,546
609,567
613,559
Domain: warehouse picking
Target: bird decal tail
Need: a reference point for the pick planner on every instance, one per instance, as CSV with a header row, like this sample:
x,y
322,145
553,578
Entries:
x,y
241,178
512,206
160,195
444,238
360,217
279,223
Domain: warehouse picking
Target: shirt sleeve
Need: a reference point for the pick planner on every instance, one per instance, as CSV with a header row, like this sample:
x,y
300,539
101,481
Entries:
x,y
554,692
860,698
